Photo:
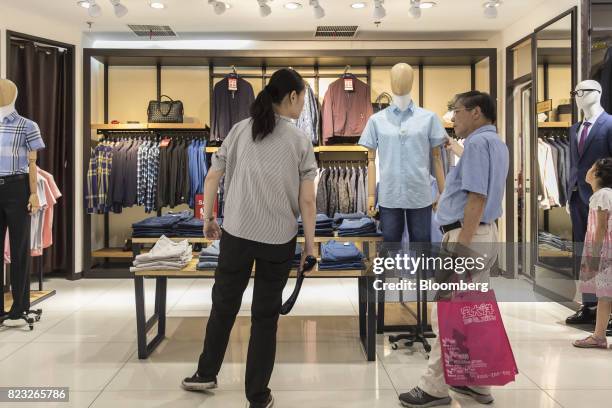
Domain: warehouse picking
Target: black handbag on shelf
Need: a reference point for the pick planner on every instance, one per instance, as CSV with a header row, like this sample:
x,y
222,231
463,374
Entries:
x,y
379,104
170,111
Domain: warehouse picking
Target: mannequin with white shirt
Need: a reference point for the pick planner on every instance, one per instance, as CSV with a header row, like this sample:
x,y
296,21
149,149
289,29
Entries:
x,y
408,141
19,140
590,140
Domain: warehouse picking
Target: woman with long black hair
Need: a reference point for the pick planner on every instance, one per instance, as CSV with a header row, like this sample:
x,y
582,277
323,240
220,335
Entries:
x,y
269,168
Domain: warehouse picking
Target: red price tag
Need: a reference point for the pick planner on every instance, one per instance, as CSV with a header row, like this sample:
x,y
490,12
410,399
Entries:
x,y
199,206
232,84
164,143
348,84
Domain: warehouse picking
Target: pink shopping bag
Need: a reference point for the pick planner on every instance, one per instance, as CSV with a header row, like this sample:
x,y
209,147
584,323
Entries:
x,y
475,346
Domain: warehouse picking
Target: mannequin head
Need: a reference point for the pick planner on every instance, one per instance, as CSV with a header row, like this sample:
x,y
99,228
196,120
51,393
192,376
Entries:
x,y
402,78
8,92
589,100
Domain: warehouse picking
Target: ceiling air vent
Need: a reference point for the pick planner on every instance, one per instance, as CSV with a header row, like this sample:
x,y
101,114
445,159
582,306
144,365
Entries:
x,y
336,31
152,30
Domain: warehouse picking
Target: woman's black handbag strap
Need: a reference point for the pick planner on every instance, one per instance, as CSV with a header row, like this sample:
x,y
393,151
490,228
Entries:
x,y
309,263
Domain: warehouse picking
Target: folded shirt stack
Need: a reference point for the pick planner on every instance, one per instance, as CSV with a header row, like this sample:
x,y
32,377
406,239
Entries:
x,y
157,226
324,226
209,256
165,255
340,255
362,227
339,217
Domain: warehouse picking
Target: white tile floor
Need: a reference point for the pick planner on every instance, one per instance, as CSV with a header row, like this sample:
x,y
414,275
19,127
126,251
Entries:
x,y
86,341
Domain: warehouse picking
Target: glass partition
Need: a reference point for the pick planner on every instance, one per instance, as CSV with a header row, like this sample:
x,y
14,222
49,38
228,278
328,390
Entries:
x,y
554,113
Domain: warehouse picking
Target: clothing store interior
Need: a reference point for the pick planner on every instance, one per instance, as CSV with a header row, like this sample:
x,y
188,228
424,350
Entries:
x,y
114,116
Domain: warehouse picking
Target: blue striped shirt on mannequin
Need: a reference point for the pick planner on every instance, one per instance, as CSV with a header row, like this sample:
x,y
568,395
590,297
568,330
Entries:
x,y
18,136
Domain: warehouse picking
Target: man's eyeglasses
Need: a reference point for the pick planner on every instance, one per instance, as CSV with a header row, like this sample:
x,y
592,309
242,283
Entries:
x,y
456,110
580,93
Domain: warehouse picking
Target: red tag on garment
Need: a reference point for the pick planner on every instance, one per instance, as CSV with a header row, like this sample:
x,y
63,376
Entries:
x,y
348,84
164,142
232,84
199,206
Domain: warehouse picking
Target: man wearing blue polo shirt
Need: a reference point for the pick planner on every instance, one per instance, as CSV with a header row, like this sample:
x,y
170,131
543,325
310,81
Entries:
x,y
470,204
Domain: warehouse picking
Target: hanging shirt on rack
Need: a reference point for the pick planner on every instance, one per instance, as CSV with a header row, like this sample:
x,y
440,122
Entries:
x,y
548,176
310,116
322,192
152,174
345,113
229,107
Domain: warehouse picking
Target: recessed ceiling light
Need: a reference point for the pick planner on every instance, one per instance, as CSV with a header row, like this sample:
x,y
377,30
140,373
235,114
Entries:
x,y
157,5
84,4
427,4
358,5
292,5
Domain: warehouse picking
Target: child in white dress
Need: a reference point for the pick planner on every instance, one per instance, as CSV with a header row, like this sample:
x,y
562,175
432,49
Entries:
x,y
596,267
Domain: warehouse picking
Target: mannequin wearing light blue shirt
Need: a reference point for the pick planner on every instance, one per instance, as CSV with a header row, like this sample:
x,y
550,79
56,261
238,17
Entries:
x,y
405,137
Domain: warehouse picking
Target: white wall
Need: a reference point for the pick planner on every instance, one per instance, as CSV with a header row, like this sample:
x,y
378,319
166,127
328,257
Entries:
x,y
13,19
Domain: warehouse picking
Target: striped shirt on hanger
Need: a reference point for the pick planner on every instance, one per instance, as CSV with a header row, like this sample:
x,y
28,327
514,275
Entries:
x,y
18,136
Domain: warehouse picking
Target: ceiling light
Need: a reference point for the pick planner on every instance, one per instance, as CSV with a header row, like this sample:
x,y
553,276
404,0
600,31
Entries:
x,y
84,3
319,12
219,7
379,10
264,9
94,9
156,4
490,8
415,11
292,5
120,9
427,4
358,5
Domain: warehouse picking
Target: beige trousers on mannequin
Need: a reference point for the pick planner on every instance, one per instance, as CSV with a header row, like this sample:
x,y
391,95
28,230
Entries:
x,y
485,241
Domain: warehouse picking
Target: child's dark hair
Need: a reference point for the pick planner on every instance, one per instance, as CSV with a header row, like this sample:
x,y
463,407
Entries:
x,y
603,171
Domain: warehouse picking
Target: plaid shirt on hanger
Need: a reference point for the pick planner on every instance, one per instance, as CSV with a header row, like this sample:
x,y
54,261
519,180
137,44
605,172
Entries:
x,y
142,173
152,165
104,159
91,183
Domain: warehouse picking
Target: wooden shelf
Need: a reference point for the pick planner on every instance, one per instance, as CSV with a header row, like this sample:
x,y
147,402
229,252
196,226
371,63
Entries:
x,y
111,253
340,148
137,126
319,149
191,271
119,253
543,125
202,240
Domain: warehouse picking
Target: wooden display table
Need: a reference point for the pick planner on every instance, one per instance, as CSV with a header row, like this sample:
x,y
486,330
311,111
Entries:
x,y
367,294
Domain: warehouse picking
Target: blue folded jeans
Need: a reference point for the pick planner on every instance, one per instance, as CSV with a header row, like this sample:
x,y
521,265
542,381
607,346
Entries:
x,y
334,251
207,265
341,265
357,224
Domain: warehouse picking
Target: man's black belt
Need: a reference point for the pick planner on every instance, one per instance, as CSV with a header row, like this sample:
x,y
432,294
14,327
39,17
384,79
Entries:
x,y
13,178
455,225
